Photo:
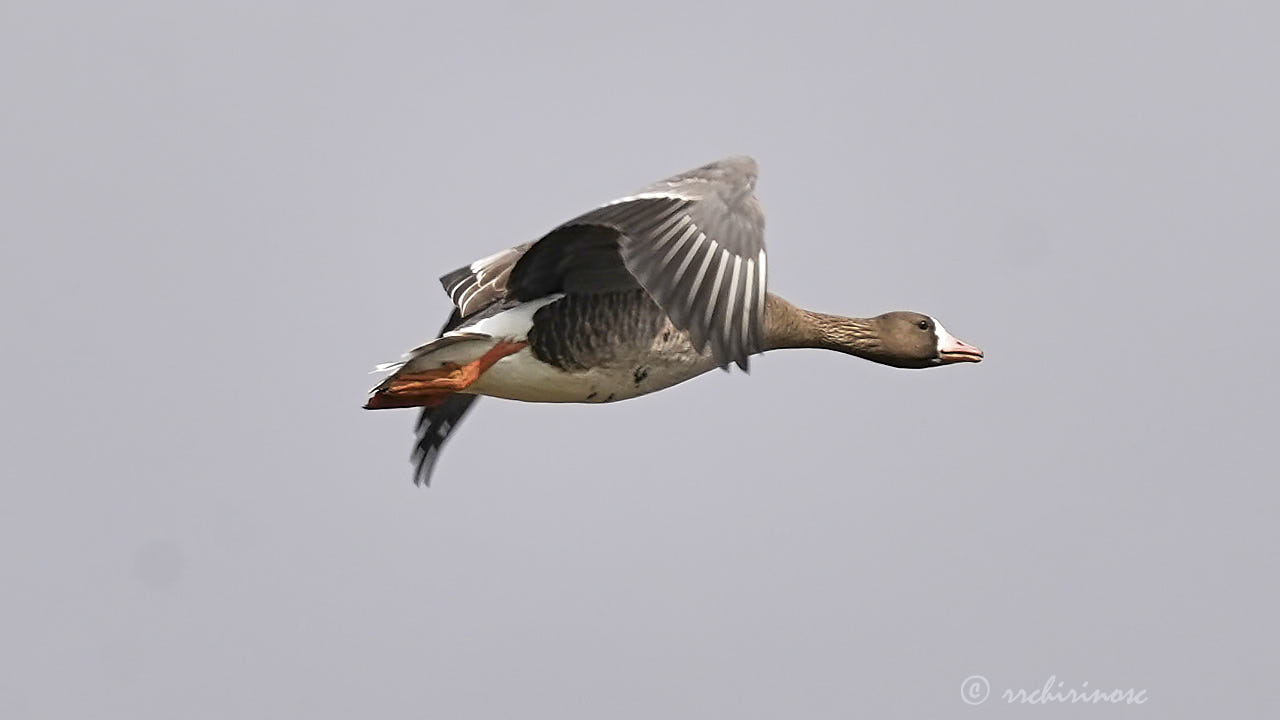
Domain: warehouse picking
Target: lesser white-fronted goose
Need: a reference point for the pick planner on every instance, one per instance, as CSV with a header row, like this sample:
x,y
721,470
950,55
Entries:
x,y
635,296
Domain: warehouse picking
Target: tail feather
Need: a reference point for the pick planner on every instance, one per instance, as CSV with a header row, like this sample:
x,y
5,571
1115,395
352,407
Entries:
x,y
442,342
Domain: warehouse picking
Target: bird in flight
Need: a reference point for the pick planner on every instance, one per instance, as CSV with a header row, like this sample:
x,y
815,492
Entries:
x,y
635,296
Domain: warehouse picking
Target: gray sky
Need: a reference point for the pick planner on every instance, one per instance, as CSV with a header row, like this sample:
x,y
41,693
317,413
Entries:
x,y
217,220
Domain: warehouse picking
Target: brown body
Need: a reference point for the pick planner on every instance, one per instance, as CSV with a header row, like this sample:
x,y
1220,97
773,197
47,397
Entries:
x,y
636,295
614,346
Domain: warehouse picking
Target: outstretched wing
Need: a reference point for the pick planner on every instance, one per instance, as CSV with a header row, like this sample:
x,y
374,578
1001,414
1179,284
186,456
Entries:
x,y
694,242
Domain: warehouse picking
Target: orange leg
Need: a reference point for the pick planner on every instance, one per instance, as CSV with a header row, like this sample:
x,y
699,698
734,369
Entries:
x,y
430,387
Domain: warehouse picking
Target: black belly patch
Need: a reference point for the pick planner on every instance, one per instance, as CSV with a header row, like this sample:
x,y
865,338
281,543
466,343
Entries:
x,y
640,374
598,330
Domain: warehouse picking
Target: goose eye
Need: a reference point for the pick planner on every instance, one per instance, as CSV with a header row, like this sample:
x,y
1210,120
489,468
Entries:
x,y
923,324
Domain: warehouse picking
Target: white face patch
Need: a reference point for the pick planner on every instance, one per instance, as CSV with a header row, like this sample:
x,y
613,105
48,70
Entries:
x,y
950,349
945,340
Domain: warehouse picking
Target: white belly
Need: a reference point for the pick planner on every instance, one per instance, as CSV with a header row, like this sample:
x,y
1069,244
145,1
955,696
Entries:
x,y
523,377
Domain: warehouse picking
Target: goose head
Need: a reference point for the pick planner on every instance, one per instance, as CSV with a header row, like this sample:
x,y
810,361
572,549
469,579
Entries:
x,y
906,339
